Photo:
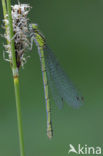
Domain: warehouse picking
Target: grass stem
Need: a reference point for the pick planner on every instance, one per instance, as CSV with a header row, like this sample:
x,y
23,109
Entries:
x,y
7,9
18,108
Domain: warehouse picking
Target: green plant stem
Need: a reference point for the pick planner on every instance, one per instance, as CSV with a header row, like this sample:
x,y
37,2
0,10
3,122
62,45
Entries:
x,y
15,72
4,8
18,107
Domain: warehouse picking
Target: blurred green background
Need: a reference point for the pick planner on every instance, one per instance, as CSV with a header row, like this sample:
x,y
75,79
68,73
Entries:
x,y
74,30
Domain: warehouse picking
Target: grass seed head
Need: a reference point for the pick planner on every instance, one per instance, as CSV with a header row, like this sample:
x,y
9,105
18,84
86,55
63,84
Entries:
x,y
20,29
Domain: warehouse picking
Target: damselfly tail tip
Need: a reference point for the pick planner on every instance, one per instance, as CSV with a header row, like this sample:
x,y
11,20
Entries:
x,y
50,134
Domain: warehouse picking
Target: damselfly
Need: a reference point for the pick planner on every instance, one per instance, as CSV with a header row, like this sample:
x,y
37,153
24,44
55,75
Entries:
x,y
54,78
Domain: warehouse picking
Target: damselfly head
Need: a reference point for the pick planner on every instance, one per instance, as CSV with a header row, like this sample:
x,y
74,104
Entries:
x,y
33,26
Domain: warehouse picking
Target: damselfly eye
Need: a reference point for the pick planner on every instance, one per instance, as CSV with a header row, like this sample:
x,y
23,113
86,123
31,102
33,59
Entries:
x,y
34,26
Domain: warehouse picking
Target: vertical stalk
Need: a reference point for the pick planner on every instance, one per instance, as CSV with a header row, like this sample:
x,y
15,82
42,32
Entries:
x,y
4,9
15,73
18,107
